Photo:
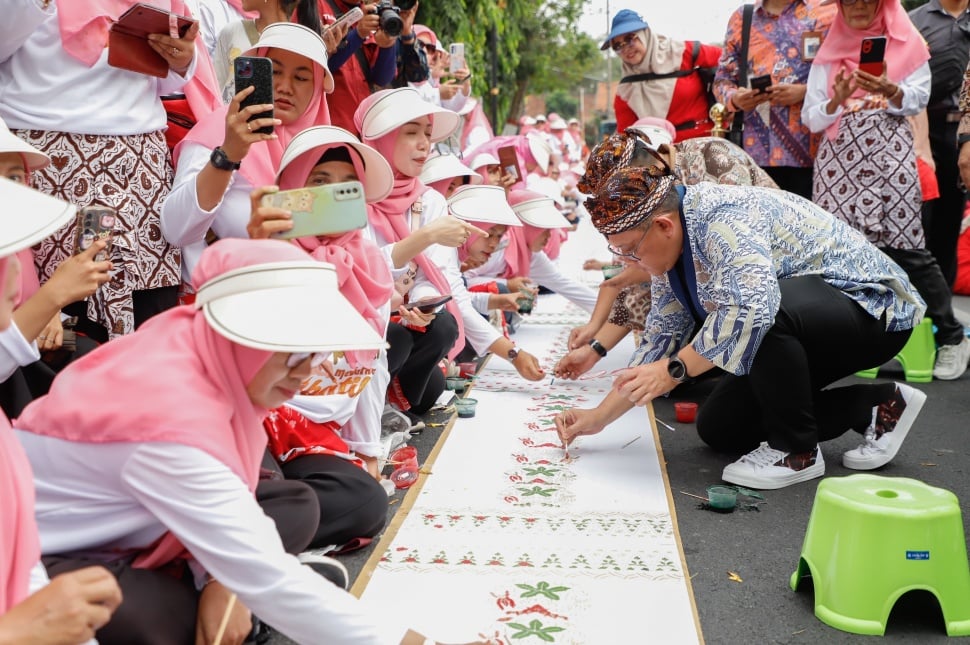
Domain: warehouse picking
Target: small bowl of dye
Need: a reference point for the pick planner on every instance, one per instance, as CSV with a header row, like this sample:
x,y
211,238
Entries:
x,y
404,477
685,411
466,407
722,498
526,300
456,383
611,270
406,457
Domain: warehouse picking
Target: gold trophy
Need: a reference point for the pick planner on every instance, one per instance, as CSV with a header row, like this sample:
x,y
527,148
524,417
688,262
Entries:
x,y
718,113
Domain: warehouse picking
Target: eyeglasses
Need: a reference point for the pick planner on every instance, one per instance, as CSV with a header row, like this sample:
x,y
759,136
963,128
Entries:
x,y
620,46
849,3
297,358
632,253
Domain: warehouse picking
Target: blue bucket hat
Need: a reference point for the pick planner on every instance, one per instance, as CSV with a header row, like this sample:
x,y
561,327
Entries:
x,y
624,22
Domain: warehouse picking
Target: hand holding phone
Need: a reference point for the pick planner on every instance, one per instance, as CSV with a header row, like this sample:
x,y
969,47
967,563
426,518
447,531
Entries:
x,y
427,305
456,52
255,72
350,18
509,161
331,209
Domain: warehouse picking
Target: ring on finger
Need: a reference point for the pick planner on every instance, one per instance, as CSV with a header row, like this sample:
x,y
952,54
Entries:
x,y
249,126
176,51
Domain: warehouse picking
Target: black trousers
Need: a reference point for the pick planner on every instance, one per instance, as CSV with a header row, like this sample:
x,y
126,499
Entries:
x,y
159,606
924,272
414,355
819,336
34,380
352,503
145,303
793,179
942,217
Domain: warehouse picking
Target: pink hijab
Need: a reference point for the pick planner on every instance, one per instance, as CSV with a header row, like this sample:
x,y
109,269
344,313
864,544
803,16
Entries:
x,y
387,217
518,256
84,34
464,248
260,164
906,51
196,380
522,151
362,273
19,542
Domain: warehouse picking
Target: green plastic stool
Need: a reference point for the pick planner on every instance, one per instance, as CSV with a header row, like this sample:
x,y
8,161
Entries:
x,y
870,539
918,355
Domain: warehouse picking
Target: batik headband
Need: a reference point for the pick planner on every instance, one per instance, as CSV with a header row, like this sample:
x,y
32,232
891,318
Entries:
x,y
628,198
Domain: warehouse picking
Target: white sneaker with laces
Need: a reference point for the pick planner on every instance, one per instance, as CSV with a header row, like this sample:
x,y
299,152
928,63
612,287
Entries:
x,y
951,360
767,469
891,421
327,567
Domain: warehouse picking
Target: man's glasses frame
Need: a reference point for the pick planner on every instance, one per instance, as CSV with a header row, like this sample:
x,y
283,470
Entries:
x,y
632,253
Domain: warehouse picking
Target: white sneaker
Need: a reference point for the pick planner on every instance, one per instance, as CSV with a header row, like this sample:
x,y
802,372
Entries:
x,y
951,360
767,469
891,421
326,567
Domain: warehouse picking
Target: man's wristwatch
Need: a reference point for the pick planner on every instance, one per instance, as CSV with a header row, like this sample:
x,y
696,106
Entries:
x,y
598,348
513,354
677,369
963,138
219,159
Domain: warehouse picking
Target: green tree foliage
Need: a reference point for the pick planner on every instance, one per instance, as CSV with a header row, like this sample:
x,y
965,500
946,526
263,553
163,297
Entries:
x,y
534,38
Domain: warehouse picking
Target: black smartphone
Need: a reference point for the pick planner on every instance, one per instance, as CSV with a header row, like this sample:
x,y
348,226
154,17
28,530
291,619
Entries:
x,y
427,305
760,83
253,71
871,55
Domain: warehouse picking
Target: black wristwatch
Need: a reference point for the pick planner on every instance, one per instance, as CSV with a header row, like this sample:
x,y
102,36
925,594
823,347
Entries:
x,y
677,369
962,139
598,348
219,159
513,354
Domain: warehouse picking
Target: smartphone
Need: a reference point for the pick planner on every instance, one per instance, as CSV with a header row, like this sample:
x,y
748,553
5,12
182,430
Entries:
x,y
321,210
258,73
871,55
352,17
457,53
95,223
760,83
509,161
427,305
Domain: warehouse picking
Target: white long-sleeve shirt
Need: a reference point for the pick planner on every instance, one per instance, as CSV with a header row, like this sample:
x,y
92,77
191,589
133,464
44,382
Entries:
x,y
42,87
185,223
15,351
542,271
101,499
916,95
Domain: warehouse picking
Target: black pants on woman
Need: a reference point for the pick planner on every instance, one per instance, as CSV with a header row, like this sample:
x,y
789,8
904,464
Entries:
x,y
413,357
819,337
159,606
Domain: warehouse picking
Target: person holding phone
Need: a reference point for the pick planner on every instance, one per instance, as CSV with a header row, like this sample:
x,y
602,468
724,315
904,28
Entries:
x,y
406,225
781,40
445,87
60,94
865,171
34,608
29,347
329,434
223,158
242,35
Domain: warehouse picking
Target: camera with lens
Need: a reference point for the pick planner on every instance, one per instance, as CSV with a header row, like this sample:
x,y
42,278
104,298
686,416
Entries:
x,y
389,18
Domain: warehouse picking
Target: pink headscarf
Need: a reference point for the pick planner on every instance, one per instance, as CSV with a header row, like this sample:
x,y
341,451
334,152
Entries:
x,y
260,163
84,34
518,255
906,51
194,378
362,273
29,282
522,151
464,248
387,217
19,541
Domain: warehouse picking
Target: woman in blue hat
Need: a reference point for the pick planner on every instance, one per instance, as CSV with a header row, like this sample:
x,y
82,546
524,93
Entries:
x,y
658,79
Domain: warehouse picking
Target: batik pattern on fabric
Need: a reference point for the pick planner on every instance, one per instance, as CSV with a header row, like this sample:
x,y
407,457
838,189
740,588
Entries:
x,y
510,542
132,174
718,160
631,306
743,241
867,177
